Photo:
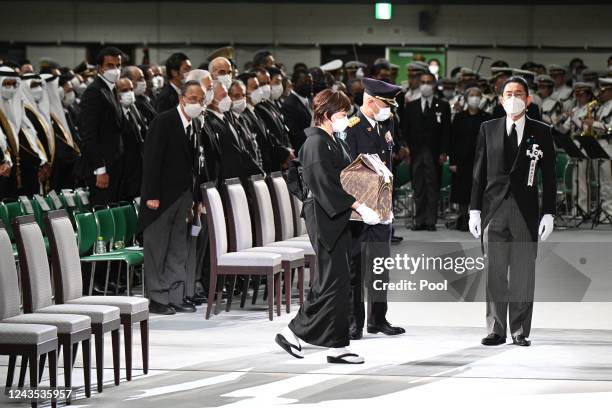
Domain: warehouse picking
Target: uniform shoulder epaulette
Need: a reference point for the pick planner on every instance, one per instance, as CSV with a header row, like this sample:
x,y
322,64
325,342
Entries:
x,y
353,121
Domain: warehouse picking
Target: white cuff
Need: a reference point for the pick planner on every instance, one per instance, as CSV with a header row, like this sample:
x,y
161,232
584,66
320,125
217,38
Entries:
x,y
474,212
99,170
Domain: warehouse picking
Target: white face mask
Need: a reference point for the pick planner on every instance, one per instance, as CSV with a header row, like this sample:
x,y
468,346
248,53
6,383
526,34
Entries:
x,y
265,89
426,90
127,98
8,92
514,106
208,97
68,99
226,80
78,86
359,74
448,93
339,125
276,91
112,75
37,93
474,101
239,105
157,82
193,110
140,88
256,96
383,114
225,104
434,69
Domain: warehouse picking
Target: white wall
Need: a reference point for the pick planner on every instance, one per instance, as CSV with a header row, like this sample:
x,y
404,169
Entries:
x,y
295,30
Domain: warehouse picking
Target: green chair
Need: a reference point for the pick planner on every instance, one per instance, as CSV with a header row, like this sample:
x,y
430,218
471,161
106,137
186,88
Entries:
x,y
131,224
13,210
4,217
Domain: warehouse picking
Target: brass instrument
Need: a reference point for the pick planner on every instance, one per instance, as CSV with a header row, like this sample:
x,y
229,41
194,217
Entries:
x,y
590,108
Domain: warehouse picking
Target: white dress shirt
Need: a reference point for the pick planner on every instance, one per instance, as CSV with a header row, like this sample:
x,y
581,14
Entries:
x,y
425,100
520,128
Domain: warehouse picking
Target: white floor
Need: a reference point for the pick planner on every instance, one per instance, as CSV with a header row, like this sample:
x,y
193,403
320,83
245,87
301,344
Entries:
x,y
231,360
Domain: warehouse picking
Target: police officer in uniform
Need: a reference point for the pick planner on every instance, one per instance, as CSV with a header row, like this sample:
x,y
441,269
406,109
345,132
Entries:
x,y
602,127
369,132
552,109
562,92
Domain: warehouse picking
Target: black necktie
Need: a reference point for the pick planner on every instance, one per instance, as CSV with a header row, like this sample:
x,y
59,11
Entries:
x,y
513,139
427,109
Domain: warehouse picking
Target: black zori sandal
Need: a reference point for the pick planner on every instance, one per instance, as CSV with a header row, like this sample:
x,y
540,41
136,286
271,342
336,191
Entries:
x,y
346,358
295,351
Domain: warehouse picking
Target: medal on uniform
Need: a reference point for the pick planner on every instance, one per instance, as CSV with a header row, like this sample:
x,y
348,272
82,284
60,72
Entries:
x,y
535,154
439,117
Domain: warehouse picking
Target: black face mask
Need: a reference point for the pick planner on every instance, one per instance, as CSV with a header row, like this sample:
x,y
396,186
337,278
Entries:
x,y
358,98
304,90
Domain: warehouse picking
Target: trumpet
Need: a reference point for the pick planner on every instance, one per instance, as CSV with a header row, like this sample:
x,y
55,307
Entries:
x,y
590,108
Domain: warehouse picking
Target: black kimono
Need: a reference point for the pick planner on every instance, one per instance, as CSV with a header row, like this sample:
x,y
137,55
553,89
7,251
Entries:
x,y
323,319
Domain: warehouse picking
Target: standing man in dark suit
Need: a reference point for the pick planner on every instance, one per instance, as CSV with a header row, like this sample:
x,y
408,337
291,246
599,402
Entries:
x,y
296,108
169,189
505,194
100,127
177,68
369,133
143,102
426,127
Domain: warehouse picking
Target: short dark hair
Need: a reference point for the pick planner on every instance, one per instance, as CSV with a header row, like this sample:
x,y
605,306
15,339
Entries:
x,y
376,68
274,71
174,62
327,102
518,80
499,64
297,74
260,57
189,84
108,51
245,76
300,66
429,74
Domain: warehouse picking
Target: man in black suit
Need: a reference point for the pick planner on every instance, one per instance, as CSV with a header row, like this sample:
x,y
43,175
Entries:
x,y
426,128
178,66
100,129
143,103
296,108
505,194
235,160
172,161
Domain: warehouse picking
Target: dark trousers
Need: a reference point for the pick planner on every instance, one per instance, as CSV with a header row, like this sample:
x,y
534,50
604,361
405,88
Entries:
x,y
368,242
426,185
511,271
99,196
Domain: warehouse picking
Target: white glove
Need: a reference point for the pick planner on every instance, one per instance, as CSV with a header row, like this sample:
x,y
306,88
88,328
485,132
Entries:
x,y
474,223
368,215
547,224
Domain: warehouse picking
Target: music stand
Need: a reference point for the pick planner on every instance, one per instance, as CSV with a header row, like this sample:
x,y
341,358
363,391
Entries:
x,y
564,141
596,152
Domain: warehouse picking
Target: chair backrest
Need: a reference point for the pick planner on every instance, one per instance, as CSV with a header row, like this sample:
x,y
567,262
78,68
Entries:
x,y
57,202
68,196
239,219
281,203
13,210
106,226
33,263
4,217
82,198
299,224
26,205
131,223
264,215
9,286
217,231
64,256
118,214
87,232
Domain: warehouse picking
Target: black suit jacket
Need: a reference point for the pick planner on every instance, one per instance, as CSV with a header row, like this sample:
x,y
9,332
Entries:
x,y
274,122
235,160
246,137
297,117
491,182
167,166
134,132
431,130
146,108
272,153
167,98
100,125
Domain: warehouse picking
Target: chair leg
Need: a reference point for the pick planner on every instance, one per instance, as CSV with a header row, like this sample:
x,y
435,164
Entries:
x,y
107,276
245,290
270,283
301,284
53,374
230,296
220,286
144,340
67,367
86,351
116,355
10,373
287,278
91,277
99,340
212,288
22,372
129,277
142,278
41,366
127,341
257,280
75,350
118,279
33,374
277,293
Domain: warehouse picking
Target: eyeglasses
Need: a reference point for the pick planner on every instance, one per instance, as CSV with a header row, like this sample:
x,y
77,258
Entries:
x,y
199,101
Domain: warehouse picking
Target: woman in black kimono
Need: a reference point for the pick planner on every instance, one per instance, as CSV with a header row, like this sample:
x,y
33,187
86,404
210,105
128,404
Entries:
x,y
465,128
323,319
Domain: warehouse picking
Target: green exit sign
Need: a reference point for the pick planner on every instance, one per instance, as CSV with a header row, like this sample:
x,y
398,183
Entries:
x,y
383,11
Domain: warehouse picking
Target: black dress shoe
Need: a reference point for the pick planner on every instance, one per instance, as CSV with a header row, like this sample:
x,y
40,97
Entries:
x,y
419,227
192,301
356,334
493,340
158,308
199,298
521,340
395,239
385,328
431,228
183,307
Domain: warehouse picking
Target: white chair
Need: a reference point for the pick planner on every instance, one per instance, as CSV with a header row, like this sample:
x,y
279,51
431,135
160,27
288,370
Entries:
x,y
37,294
241,239
224,263
68,282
